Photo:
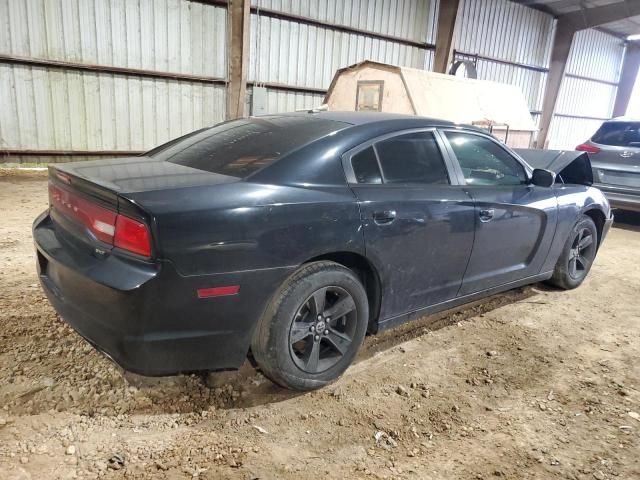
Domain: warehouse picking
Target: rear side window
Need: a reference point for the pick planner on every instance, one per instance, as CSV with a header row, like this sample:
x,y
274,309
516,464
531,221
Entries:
x,y
242,147
619,134
365,166
412,158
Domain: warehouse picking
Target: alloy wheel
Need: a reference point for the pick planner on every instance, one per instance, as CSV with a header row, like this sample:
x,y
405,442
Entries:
x,y
581,254
322,330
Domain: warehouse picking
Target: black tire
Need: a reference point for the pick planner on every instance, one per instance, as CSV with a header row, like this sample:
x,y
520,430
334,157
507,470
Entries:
x,y
288,345
577,256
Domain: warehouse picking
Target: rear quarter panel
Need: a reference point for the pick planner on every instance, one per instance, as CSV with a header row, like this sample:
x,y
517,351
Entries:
x,y
250,226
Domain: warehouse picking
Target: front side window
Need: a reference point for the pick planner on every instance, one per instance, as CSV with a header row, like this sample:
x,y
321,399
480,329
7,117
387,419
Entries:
x,y
412,158
485,162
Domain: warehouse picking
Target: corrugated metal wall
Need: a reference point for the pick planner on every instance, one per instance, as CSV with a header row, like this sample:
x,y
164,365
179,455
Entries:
x,y
295,49
48,107
588,89
294,52
510,43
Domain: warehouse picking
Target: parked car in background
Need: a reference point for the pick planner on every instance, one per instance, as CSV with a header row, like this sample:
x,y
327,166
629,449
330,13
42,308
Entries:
x,y
614,151
293,235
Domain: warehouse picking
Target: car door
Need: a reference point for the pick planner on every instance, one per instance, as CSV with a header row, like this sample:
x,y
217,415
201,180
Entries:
x,y
418,226
514,220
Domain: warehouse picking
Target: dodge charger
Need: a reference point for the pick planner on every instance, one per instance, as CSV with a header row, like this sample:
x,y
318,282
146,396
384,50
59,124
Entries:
x,y
292,236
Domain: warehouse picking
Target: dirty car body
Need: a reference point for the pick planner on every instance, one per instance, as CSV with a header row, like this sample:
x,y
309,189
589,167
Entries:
x,y
166,262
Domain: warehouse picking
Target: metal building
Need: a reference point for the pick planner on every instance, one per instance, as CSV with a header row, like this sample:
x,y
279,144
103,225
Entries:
x,y
84,79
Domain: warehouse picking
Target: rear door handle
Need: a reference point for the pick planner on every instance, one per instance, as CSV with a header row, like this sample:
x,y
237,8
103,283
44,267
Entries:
x,y
486,214
384,217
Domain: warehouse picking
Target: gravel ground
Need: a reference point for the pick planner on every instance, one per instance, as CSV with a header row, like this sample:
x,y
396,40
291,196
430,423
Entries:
x,y
534,383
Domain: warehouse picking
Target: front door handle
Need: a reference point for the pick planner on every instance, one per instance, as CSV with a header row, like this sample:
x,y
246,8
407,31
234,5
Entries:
x,y
486,214
384,217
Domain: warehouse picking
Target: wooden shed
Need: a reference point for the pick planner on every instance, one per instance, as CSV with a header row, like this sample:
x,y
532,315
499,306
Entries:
x,y
373,86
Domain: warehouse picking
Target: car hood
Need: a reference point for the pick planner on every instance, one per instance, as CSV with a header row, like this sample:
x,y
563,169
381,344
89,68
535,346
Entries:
x,y
141,174
573,166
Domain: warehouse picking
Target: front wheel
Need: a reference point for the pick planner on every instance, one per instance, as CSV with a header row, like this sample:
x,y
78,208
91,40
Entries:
x,y
313,327
577,256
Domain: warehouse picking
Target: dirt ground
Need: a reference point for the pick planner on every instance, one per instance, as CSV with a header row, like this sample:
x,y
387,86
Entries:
x,y
534,383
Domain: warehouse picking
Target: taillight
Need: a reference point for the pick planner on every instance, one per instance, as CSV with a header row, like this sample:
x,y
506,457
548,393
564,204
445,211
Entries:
x,y
132,235
110,227
585,147
99,220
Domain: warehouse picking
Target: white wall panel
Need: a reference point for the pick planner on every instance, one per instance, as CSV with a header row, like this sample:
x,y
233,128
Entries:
x,y
166,35
305,55
597,55
567,132
280,101
585,98
54,109
531,82
410,19
504,30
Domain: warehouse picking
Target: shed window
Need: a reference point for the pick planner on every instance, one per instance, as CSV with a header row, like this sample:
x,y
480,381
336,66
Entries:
x,y
369,95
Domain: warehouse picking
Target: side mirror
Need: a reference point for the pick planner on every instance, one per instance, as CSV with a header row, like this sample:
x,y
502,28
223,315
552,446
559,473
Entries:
x,y
543,178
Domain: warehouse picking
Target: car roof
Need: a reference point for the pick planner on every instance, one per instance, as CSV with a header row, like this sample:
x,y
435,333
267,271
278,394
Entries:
x,y
623,119
357,128
361,118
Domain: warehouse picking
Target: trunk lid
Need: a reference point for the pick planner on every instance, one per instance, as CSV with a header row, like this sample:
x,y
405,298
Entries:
x,y
92,204
94,219
140,174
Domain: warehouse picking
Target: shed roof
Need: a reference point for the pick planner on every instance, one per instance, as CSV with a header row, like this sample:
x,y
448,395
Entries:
x,y
457,99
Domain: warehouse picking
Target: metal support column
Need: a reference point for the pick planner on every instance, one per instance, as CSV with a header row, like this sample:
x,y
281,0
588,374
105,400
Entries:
x,y
447,15
559,56
628,76
238,40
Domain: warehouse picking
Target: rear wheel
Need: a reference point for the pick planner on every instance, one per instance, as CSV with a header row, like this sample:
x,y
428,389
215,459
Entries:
x,y
577,256
313,327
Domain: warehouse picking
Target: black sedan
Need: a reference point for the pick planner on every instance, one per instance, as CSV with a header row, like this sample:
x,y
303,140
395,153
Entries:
x,y
292,236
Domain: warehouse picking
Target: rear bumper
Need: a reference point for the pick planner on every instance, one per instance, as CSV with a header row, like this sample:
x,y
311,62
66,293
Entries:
x,y
624,199
147,317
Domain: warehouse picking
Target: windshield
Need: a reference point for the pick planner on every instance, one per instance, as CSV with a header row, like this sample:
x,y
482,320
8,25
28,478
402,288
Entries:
x,y
619,134
242,147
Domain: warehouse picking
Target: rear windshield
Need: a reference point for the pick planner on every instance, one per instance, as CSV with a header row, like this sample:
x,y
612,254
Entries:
x,y
242,147
620,134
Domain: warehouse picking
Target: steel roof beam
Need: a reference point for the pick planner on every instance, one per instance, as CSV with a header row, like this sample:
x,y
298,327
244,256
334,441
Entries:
x,y
238,35
598,16
447,14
